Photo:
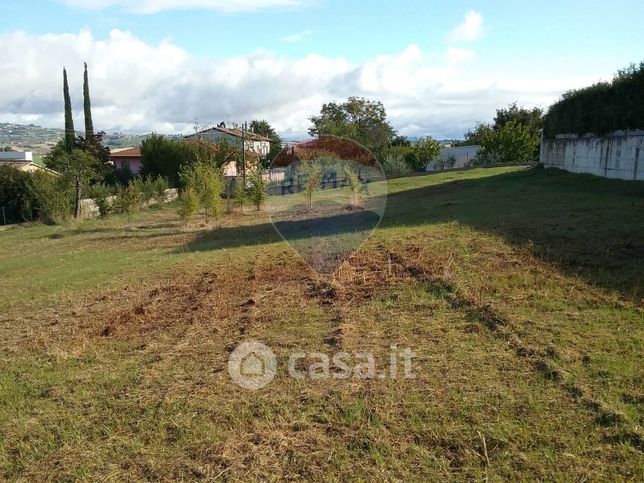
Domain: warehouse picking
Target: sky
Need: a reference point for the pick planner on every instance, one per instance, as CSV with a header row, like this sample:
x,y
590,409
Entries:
x,y
438,66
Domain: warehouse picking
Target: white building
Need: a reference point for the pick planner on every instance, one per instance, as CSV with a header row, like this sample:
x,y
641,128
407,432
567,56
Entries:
x,y
253,143
16,157
22,162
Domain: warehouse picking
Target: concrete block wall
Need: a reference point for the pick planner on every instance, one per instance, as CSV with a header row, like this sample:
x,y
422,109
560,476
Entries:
x,y
619,155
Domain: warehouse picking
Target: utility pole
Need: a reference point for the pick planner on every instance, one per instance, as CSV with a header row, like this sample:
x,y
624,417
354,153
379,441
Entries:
x,y
243,128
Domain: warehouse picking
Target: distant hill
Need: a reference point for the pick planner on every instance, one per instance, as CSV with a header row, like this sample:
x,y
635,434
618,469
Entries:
x,y
40,140
29,137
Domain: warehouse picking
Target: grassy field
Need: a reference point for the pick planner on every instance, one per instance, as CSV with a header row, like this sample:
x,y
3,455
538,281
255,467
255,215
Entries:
x,y
520,291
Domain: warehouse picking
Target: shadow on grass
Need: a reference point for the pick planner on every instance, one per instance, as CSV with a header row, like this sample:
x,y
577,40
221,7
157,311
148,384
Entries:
x,y
157,226
78,231
291,230
141,235
589,226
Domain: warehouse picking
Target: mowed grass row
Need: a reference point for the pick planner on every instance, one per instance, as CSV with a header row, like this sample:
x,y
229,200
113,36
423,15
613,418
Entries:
x,y
517,289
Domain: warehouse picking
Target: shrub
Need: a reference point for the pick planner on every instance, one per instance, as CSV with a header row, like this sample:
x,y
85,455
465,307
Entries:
x,y
354,184
31,196
240,193
229,193
160,186
189,204
53,199
128,200
311,172
394,164
146,188
101,193
423,152
16,204
257,189
441,164
207,182
211,198
512,142
164,156
120,176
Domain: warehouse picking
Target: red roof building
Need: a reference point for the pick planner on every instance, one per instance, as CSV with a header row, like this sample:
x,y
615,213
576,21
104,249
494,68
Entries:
x,y
340,148
127,158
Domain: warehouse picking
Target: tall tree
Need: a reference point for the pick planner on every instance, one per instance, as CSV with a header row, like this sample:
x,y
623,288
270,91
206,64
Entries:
x,y
420,154
94,147
362,120
481,132
513,142
164,156
530,118
78,169
513,122
58,156
69,121
89,125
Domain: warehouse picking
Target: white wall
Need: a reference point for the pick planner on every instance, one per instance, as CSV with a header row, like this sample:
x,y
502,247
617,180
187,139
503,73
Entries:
x,y
620,155
462,154
274,175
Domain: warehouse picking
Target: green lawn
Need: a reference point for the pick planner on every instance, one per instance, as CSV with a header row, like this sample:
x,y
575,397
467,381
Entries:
x,y
520,291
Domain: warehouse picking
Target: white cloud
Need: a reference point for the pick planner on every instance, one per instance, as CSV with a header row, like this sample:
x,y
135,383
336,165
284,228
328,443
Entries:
x,y
155,6
455,54
296,37
470,29
138,87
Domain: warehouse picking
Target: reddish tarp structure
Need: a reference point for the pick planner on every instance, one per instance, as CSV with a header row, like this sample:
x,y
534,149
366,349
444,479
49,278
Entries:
x,y
340,148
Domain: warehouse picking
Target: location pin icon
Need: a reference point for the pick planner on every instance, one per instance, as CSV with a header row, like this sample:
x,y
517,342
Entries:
x,y
331,198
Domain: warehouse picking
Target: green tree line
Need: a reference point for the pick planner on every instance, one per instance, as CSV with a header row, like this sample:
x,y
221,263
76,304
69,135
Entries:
x,y
602,108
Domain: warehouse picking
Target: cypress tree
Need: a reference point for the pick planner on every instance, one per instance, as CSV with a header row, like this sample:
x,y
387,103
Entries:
x,y
69,121
89,125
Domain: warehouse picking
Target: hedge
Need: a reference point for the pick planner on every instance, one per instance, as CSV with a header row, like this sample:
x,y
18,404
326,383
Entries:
x,y
602,108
